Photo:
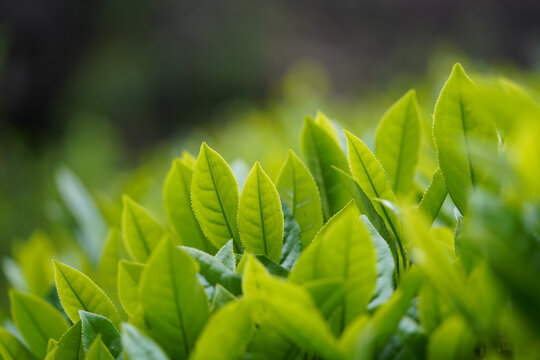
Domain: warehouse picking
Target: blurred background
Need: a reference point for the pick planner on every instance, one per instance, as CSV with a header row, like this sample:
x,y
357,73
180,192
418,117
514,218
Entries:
x,y
113,90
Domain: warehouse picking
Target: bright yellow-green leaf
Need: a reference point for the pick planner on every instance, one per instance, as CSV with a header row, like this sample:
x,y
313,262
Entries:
x,y
98,350
78,292
374,333
69,346
453,340
260,219
174,304
323,120
434,196
113,252
342,250
37,321
370,176
289,308
11,348
129,274
214,196
51,344
177,199
459,126
397,142
299,192
321,151
227,333
141,231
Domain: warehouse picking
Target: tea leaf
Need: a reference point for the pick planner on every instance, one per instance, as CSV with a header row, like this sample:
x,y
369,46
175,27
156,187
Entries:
x,y
138,346
174,303
98,350
366,207
214,196
434,196
11,348
129,274
372,334
227,333
397,142
226,256
95,325
299,192
260,219
292,243
342,250
453,340
85,211
141,231
220,298
177,199
215,272
37,321
113,252
69,346
78,292
370,176
290,309
458,125
321,150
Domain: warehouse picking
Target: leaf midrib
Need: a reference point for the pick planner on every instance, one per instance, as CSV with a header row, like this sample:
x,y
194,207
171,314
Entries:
x,y
219,201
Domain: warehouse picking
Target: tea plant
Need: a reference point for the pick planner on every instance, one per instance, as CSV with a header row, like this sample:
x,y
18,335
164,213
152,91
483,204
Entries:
x,y
346,255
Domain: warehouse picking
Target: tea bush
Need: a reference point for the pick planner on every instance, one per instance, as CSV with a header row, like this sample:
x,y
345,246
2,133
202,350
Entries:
x,y
346,255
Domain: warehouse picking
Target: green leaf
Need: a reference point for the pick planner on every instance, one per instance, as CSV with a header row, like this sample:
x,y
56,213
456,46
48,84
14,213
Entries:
x,y
141,231
342,250
453,340
51,344
36,320
34,258
370,176
85,211
458,126
273,267
260,219
292,243
220,298
215,272
434,196
138,346
321,151
289,308
371,335
226,256
177,199
98,350
322,120
129,275
227,333
299,192
95,325
113,252
214,197
366,207
69,346
174,303
78,292
11,348
397,142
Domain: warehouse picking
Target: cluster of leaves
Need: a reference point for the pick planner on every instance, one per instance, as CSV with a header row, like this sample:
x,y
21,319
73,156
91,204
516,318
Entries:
x,y
345,255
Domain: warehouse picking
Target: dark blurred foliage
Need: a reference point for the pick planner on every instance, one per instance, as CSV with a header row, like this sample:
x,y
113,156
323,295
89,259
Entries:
x,y
155,66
